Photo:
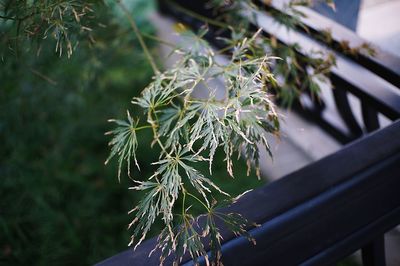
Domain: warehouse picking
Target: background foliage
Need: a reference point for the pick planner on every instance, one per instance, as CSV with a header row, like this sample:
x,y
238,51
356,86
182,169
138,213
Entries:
x,y
59,205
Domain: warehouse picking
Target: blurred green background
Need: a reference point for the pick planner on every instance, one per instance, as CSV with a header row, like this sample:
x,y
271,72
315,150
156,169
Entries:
x,y
59,204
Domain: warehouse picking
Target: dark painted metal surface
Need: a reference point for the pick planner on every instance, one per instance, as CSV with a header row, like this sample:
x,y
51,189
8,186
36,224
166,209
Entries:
x,y
370,117
313,226
318,214
373,254
345,13
344,109
383,63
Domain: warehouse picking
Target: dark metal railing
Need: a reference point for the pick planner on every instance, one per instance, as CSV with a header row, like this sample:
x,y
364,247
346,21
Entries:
x,y
325,211
345,202
317,215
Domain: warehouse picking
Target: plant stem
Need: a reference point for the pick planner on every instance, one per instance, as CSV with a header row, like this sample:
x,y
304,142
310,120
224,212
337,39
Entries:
x,y
183,203
43,76
156,137
139,36
225,49
142,127
155,38
198,16
196,198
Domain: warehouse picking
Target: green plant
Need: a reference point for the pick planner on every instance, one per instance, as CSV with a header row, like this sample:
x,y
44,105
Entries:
x,y
189,130
58,201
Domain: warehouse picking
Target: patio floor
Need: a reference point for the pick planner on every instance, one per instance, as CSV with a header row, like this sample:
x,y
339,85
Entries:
x,y
379,22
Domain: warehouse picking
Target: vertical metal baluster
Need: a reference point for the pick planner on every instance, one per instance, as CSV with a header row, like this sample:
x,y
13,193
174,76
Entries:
x,y
373,254
370,117
344,109
318,104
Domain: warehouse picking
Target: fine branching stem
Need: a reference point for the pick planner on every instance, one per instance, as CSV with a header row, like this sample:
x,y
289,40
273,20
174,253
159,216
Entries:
x,y
190,129
198,16
139,36
225,49
183,202
43,76
142,127
159,40
199,200
155,134
6,17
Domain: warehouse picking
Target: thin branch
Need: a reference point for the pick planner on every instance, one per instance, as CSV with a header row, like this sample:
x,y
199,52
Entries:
x,y
19,19
10,18
197,199
198,16
139,36
46,78
155,38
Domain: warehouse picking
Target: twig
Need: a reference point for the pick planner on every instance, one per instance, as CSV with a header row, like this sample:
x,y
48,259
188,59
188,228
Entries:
x,y
198,16
46,78
139,36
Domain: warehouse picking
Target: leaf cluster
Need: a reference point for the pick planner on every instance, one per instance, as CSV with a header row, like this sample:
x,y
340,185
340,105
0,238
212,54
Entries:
x,y
189,130
65,22
296,71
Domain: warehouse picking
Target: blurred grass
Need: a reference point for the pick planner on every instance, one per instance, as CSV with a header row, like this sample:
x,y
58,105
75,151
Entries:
x,y
59,204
